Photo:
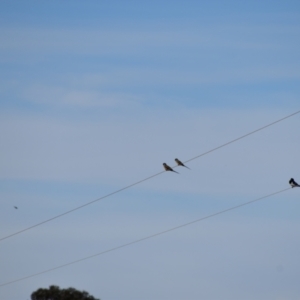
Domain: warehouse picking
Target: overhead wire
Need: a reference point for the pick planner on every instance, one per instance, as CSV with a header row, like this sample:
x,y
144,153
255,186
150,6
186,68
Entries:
x,y
146,238
145,179
243,136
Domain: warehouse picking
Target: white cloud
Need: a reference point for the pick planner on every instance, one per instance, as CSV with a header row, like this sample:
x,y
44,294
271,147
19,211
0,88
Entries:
x,y
70,97
160,77
238,36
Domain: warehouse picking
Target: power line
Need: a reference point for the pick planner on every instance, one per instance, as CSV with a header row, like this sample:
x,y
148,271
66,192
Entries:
x,y
243,136
146,238
145,179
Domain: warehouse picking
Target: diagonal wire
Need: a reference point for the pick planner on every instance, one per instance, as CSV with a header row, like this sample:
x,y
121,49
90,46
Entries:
x,y
243,136
147,237
145,179
79,207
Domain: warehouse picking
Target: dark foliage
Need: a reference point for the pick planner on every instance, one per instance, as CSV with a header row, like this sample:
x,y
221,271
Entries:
x,y
55,293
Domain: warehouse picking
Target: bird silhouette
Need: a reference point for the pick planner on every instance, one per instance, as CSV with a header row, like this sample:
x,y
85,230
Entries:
x,y
293,183
168,168
179,163
15,207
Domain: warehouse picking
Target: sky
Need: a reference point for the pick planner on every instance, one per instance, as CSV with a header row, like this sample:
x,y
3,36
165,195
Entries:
x,y
96,95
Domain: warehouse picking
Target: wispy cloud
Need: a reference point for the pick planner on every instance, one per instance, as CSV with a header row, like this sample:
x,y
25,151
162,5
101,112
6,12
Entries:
x,y
125,41
64,96
143,77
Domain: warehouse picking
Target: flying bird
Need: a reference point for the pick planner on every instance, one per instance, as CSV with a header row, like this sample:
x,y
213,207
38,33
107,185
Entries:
x,y
168,168
179,163
293,183
15,207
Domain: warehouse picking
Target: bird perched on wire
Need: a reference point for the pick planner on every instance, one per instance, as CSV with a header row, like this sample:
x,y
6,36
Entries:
x,y
168,168
180,163
293,183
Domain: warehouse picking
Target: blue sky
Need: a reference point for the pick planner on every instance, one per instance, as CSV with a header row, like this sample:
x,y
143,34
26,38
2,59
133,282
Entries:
x,y
97,95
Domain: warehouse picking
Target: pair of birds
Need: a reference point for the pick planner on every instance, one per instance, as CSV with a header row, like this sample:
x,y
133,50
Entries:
x,y
179,163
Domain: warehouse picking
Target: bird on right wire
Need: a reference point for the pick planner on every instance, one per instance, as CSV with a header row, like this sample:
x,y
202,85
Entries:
x,y
179,163
168,168
293,183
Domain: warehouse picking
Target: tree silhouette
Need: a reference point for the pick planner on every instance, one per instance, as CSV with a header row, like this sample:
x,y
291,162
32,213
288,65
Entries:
x,y
55,293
